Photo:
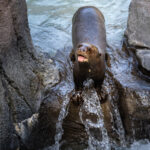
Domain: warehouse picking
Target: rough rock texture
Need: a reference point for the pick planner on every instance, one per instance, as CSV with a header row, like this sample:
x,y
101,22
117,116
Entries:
x,y
135,101
38,131
23,74
143,56
138,23
132,94
7,136
138,30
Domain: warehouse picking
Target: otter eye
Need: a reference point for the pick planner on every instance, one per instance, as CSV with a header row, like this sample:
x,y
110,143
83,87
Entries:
x,y
80,45
99,55
89,49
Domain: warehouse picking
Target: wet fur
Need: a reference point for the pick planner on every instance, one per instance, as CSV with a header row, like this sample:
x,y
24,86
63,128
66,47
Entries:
x,y
89,27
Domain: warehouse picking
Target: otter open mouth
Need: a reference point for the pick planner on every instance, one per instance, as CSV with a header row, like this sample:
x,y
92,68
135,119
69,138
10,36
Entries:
x,y
82,58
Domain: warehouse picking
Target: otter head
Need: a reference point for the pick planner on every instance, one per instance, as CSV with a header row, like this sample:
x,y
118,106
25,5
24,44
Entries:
x,y
88,63
85,53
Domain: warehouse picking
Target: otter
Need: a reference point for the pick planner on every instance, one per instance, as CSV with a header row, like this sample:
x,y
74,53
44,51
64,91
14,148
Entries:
x,y
89,45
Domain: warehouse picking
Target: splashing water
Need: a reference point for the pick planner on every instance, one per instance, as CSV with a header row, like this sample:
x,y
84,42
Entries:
x,y
62,115
59,129
120,130
115,114
98,138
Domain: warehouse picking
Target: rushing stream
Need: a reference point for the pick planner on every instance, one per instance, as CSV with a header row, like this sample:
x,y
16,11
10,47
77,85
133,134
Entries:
x,y
50,23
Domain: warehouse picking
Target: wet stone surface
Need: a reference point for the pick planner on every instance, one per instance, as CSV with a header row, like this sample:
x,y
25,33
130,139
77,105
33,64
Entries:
x,y
138,31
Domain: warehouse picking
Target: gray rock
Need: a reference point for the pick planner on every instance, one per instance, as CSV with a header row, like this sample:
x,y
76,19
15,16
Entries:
x,y
135,110
25,128
133,95
39,130
131,87
24,74
138,32
8,140
144,58
134,88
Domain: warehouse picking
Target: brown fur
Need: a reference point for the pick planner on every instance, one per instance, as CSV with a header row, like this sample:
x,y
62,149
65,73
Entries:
x,y
89,40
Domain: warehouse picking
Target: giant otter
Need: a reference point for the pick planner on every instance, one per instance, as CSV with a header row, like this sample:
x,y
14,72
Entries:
x,y
89,44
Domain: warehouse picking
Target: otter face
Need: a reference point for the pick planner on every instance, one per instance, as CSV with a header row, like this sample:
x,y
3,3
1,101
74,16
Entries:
x,y
86,52
88,63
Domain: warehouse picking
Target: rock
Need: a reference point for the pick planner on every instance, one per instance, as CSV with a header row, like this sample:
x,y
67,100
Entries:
x,y
135,110
8,139
133,95
24,74
74,136
39,130
134,104
26,127
138,23
134,87
138,33
143,58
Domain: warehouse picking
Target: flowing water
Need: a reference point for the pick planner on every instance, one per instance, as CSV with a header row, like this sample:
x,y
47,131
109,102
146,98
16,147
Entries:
x,y
50,22
98,137
59,129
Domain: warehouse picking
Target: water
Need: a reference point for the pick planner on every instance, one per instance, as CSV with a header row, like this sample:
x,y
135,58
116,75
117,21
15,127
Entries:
x,y
115,114
98,137
51,21
59,129
140,145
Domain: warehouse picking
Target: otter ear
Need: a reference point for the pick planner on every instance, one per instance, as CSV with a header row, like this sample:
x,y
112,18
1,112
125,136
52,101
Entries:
x,y
72,56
